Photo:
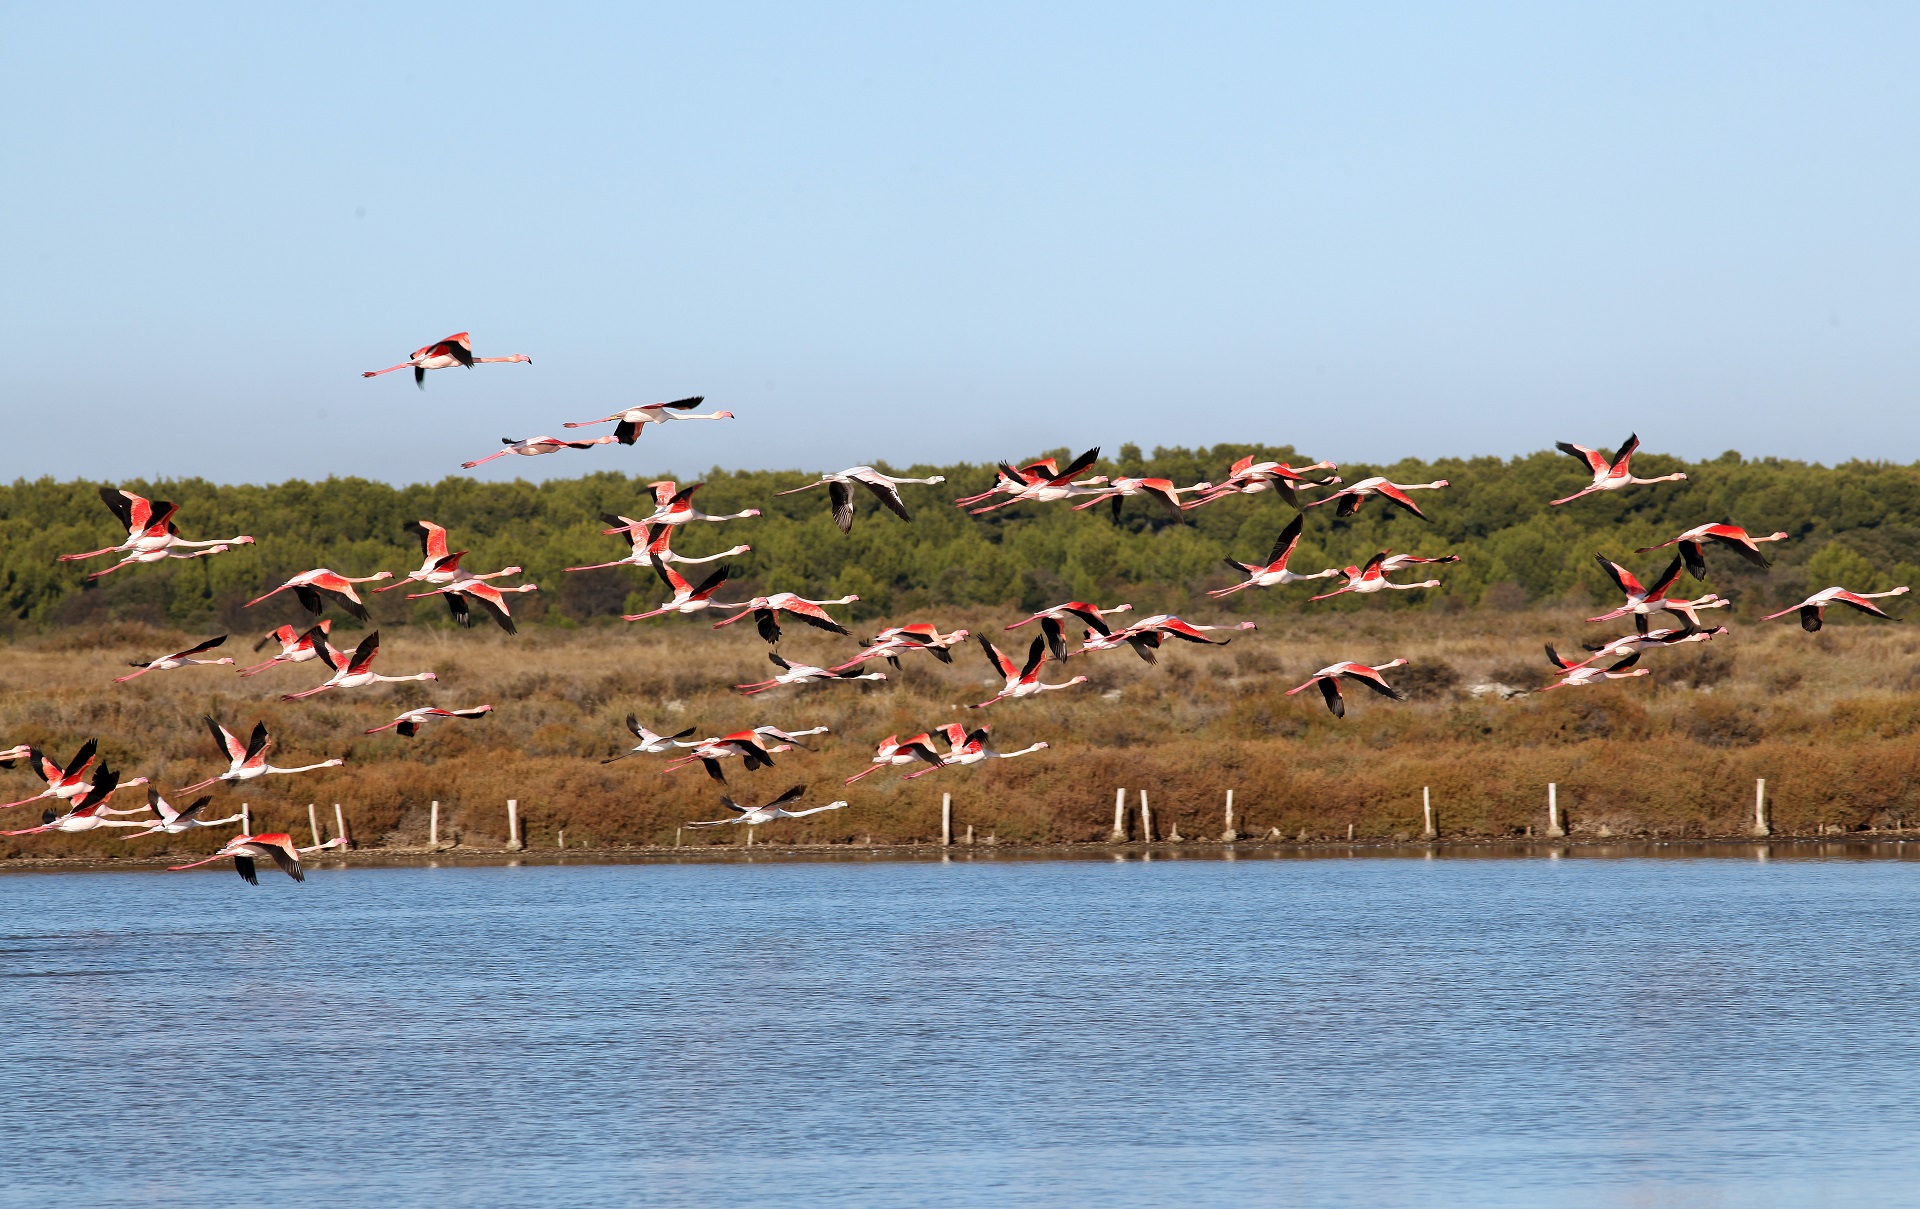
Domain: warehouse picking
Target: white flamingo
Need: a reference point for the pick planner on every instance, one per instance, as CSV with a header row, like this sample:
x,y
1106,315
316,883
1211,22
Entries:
x,y
632,422
885,488
248,761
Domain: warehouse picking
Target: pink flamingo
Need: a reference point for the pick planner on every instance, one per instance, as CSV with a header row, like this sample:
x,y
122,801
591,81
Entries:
x,y
151,534
885,488
803,673
409,723
896,641
753,816
1609,474
294,647
749,745
766,611
1574,675
1373,578
676,509
456,349
89,812
1633,644
66,783
1329,678
353,671
1021,681
312,587
1053,623
1009,481
651,542
179,822
1046,490
178,659
276,846
1394,493
895,752
249,761
1248,477
1733,537
687,599
438,564
652,744
1118,491
1145,635
1644,601
629,424
1813,610
533,447
1274,571
472,588
974,749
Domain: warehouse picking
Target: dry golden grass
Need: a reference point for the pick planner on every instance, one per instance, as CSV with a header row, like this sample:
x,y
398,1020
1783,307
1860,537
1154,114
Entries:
x,y
1830,719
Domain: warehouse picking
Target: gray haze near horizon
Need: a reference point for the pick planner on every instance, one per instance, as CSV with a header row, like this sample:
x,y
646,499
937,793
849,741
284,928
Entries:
x,y
941,235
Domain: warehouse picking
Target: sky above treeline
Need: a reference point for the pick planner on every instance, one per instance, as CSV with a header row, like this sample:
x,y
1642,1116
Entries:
x,y
964,232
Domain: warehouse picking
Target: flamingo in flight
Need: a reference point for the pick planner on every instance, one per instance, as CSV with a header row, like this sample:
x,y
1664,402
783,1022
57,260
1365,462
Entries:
x,y
151,534
1394,493
1813,610
1045,490
766,611
178,659
89,812
1118,491
1329,678
1644,601
438,564
1274,571
276,846
687,599
65,782
896,641
1145,635
651,542
314,587
13,755
179,822
1633,644
753,816
1609,473
974,748
652,744
1009,481
456,349
1023,681
803,673
1053,623
533,447
895,752
353,671
408,724
749,745
629,424
470,587
295,647
1733,537
676,509
1574,675
885,488
248,761
1373,578
1248,477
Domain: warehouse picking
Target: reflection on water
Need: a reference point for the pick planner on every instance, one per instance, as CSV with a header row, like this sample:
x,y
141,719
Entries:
x,y
1365,1030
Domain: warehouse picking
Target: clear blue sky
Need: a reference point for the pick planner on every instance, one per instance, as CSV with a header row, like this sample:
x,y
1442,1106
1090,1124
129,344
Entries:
x,y
921,232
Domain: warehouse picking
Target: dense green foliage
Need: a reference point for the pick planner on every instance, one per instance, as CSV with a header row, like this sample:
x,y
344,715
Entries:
x,y
1855,524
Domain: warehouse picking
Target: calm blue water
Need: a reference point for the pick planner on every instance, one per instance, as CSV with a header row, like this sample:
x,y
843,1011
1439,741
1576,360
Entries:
x,y
1357,1032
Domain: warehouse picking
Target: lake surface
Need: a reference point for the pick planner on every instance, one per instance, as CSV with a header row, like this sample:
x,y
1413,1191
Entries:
x,y
1342,1032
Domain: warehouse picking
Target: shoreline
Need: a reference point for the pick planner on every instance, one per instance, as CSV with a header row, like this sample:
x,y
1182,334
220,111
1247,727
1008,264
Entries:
x,y
1860,845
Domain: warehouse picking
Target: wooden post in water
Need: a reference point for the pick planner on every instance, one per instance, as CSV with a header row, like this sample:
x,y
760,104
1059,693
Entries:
x,y
313,822
1119,833
1349,833
1761,824
676,836
1554,826
340,825
1229,835
513,825
433,824
1146,819
562,841
1426,808
246,819
946,820
969,835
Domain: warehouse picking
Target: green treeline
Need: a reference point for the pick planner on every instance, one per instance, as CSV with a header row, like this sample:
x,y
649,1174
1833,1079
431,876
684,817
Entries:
x,y
1856,524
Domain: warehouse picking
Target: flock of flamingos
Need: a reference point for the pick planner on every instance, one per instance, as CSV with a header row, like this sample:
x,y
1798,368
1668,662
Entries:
x,y
83,792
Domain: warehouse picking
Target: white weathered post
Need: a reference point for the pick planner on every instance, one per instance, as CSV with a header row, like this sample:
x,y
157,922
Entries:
x,y
246,819
749,837
1349,833
340,825
676,836
946,820
433,824
1146,819
969,835
313,823
1229,835
562,841
1119,833
513,824
1426,808
1554,826
1761,825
